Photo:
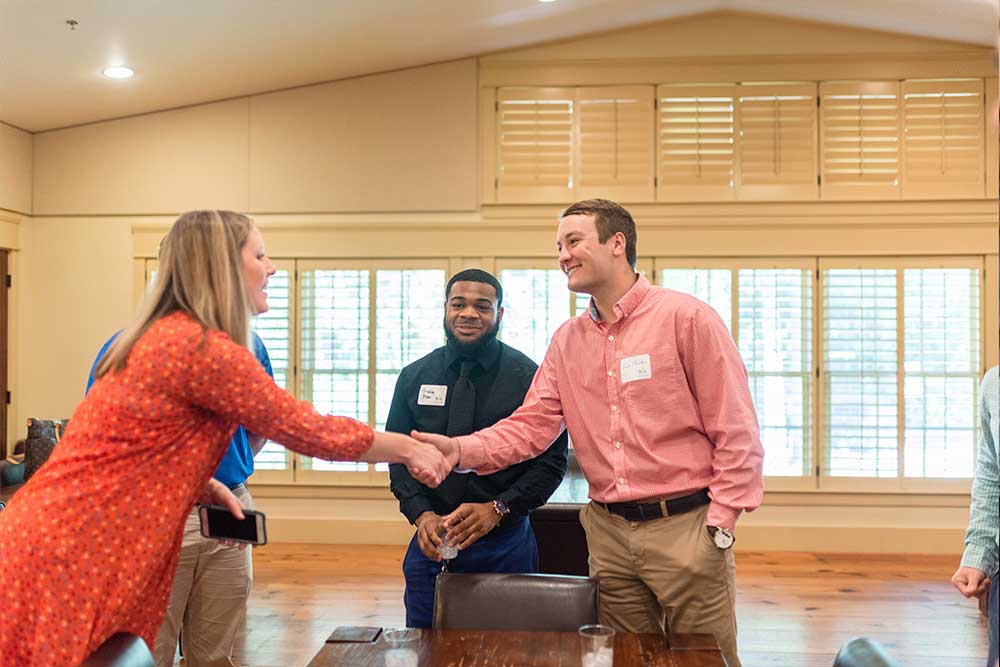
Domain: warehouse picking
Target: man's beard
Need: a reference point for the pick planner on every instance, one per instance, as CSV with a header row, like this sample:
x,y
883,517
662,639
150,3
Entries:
x,y
474,348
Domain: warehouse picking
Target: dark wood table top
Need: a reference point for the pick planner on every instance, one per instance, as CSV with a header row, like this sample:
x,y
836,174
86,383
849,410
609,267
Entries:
x,y
487,648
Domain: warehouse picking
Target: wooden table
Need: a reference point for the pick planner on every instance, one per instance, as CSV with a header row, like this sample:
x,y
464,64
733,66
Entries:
x,y
486,648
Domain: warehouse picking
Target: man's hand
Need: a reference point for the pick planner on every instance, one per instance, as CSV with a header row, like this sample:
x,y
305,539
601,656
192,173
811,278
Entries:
x,y
217,493
970,581
469,522
429,528
447,446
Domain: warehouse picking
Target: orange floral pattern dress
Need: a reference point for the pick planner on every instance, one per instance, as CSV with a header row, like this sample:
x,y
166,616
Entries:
x,y
90,544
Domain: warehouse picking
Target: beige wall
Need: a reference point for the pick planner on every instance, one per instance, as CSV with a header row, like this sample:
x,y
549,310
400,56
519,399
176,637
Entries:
x,y
73,287
157,163
15,169
399,141
403,141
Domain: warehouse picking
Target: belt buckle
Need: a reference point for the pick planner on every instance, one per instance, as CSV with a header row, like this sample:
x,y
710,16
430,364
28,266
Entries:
x,y
663,508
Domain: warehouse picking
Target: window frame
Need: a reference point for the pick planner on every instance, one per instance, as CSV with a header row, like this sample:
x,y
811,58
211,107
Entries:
x,y
369,477
734,265
900,483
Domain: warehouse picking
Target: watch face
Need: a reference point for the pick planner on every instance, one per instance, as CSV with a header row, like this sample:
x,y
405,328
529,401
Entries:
x,y
501,507
724,539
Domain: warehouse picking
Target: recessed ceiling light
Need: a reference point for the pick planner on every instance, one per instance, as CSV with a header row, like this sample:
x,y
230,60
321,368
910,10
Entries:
x,y
546,0
118,72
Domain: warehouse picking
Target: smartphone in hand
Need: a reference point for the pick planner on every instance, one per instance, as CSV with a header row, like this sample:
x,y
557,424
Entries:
x,y
219,523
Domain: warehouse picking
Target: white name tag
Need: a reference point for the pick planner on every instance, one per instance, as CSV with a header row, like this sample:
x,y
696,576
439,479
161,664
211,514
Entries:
x,y
636,368
432,394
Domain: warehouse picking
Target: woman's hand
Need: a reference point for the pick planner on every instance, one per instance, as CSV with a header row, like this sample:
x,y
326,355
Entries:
x,y
447,446
426,464
217,493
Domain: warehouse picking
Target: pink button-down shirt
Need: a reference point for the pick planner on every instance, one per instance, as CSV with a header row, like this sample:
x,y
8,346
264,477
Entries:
x,y
657,404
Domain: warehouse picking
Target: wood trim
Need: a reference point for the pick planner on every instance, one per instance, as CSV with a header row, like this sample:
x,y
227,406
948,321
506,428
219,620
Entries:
x,y
4,342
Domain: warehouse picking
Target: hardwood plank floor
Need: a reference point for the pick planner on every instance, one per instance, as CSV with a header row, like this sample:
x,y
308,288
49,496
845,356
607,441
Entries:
x,y
794,609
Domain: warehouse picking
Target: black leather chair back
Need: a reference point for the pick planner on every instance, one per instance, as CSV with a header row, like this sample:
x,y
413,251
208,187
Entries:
x,y
538,602
121,650
863,652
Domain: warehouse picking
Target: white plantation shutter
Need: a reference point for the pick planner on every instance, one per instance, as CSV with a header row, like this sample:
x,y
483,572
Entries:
x,y
615,156
275,330
860,140
860,372
335,348
775,341
943,139
714,286
941,352
696,143
992,153
535,303
409,309
777,141
534,146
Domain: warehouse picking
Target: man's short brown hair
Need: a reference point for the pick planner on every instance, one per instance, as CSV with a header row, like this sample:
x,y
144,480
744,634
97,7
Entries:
x,y
609,218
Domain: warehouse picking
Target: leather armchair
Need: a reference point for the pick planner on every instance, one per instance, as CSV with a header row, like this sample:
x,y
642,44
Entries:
x,y
538,602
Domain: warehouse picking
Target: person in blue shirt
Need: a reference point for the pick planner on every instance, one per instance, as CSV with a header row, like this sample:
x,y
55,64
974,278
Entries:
x,y
212,582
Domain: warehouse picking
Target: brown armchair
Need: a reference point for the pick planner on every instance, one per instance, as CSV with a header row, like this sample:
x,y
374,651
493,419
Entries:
x,y
539,602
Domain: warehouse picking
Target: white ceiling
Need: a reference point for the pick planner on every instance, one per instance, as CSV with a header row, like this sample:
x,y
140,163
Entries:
x,y
190,51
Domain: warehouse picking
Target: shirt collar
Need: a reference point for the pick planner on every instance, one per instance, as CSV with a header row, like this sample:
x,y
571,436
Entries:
x,y
487,356
629,301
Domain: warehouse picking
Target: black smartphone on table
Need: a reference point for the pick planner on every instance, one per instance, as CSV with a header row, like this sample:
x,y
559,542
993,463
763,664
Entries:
x,y
219,523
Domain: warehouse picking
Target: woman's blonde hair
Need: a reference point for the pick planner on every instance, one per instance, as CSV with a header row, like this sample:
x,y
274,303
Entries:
x,y
200,273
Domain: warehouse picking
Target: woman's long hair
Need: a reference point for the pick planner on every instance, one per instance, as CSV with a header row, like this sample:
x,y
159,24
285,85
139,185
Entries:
x,y
200,273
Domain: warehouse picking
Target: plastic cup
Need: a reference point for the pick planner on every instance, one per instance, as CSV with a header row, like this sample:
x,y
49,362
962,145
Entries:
x,y
402,648
447,549
597,646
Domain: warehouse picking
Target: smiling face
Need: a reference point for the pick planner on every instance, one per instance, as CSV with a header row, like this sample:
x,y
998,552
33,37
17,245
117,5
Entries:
x,y
471,311
587,263
257,268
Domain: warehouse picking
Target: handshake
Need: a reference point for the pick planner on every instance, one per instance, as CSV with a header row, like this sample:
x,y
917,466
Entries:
x,y
428,456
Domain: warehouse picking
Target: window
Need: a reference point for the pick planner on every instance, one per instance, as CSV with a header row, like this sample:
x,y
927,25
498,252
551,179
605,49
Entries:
x,y
901,363
941,371
860,372
775,340
362,322
772,325
713,286
535,303
275,330
696,138
943,139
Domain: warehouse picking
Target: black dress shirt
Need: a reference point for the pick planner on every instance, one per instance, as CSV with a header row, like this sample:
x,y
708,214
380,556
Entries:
x,y
501,376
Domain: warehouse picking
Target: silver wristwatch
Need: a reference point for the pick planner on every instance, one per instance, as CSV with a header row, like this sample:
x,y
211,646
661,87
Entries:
x,y
723,538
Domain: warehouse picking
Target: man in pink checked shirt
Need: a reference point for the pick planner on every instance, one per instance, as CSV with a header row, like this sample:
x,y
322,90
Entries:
x,y
656,400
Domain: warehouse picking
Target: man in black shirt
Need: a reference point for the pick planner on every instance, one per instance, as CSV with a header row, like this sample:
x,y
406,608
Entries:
x,y
472,382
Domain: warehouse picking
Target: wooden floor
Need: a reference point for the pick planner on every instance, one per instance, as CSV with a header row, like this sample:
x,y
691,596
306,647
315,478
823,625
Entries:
x,y
794,609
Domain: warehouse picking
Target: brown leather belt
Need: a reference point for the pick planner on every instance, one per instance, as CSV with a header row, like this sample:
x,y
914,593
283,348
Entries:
x,y
633,511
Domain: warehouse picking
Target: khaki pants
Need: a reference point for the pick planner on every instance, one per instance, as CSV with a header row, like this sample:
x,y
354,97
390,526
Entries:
x,y
664,575
208,598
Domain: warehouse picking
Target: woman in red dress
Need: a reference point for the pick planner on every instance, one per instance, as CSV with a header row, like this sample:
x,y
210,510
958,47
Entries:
x,y
90,544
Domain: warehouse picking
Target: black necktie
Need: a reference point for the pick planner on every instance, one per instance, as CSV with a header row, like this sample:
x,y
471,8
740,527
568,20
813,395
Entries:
x,y
460,420
463,402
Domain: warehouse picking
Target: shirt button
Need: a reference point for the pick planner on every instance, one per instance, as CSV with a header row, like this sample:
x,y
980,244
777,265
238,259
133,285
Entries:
x,y
618,445
611,373
611,338
621,480
614,408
